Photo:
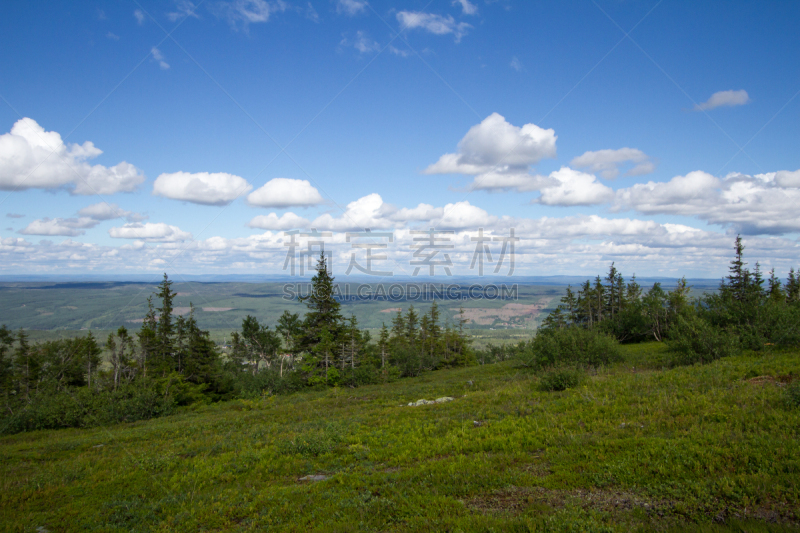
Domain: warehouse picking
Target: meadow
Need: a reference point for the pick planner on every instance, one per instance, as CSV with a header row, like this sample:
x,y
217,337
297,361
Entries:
x,y
637,446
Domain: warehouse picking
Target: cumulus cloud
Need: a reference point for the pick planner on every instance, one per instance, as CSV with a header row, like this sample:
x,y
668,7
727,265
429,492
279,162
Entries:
x,y
724,99
467,7
423,212
106,211
31,157
68,227
273,222
201,187
285,192
607,162
760,204
150,232
351,7
568,187
436,24
367,212
788,180
462,215
496,145
158,56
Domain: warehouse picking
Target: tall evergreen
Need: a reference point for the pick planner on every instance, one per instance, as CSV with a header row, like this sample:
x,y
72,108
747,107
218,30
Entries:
x,y
324,311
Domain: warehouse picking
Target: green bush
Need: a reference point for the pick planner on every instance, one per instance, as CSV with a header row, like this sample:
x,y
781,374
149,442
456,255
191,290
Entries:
x,y
560,379
694,340
82,407
570,345
792,395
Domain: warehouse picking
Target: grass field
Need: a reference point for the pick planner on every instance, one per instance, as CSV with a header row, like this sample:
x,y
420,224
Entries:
x,y
636,447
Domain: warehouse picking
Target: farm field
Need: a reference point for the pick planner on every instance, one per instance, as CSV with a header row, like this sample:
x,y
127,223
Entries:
x,y
52,310
635,447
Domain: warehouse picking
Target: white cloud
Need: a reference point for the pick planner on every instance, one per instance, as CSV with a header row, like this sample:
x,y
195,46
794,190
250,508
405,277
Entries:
x,y
516,64
106,211
183,8
273,222
203,188
351,7
31,157
399,52
362,42
158,56
311,13
112,36
724,99
246,12
607,162
788,180
467,7
436,24
760,204
463,215
423,212
285,192
366,212
68,227
140,17
503,181
571,187
496,145
150,232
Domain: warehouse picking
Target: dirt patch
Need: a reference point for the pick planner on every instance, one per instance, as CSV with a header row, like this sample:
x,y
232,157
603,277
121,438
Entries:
x,y
516,499
216,309
771,380
69,307
391,310
508,314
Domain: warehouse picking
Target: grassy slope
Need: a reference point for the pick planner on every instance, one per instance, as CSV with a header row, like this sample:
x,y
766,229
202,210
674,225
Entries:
x,y
634,447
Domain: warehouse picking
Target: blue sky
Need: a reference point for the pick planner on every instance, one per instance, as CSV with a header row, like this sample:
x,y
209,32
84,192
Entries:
x,y
647,133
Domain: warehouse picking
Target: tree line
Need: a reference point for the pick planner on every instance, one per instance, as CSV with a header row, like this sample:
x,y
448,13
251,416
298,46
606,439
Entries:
x,y
171,361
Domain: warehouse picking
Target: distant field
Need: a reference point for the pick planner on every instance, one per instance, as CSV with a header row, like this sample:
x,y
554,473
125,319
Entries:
x,y
105,306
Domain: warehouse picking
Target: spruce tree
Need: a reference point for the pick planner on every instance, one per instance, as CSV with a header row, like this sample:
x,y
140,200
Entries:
x,y
324,311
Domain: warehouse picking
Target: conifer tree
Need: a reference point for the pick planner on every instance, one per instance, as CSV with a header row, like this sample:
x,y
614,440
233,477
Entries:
x,y
324,311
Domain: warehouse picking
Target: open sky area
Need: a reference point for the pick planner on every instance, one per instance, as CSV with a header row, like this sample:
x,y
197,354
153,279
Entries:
x,y
190,136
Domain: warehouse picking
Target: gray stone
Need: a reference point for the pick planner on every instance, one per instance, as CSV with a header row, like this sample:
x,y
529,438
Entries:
x,y
314,477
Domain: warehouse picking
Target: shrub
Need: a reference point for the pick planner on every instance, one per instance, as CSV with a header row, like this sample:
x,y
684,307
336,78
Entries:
x,y
792,395
560,379
82,407
570,345
693,340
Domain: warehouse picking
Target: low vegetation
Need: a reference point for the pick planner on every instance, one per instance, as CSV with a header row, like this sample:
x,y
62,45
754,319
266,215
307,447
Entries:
x,y
632,447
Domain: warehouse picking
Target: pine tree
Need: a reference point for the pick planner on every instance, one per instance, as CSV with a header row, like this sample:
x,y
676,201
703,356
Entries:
x,y
165,330
775,289
324,311
738,279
